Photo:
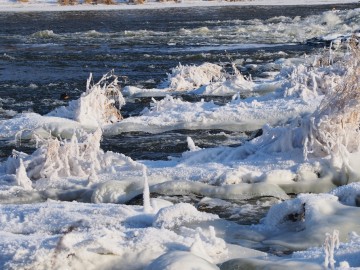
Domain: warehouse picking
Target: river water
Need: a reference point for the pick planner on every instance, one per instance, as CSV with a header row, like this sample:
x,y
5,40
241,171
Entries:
x,y
45,54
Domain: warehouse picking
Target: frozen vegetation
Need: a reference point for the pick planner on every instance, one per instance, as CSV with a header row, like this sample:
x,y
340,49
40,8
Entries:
x,y
65,205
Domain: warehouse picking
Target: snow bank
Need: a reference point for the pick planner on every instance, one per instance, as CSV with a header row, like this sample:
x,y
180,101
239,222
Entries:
x,y
74,235
324,149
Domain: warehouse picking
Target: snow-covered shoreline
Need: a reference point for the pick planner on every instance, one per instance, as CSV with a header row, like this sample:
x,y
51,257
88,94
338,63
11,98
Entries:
x,y
48,5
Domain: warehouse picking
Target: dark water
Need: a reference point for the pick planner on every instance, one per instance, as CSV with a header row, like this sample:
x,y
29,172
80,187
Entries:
x,y
45,54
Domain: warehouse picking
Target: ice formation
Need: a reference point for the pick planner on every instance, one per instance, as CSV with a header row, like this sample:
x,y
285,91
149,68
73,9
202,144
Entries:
x,y
309,144
331,243
99,104
192,77
334,129
21,176
146,194
206,79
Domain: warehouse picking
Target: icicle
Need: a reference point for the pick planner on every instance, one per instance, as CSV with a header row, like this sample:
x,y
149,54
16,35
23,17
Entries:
x,y
37,140
191,144
331,243
146,193
89,81
212,233
21,177
315,86
306,149
93,176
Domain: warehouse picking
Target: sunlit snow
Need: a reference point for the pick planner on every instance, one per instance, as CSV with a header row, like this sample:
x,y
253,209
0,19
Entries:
x,y
70,204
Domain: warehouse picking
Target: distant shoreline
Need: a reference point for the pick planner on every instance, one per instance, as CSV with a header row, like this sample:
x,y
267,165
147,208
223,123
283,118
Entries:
x,y
6,6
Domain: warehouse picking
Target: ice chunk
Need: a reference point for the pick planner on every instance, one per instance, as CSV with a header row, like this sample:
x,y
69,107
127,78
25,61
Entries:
x,y
177,215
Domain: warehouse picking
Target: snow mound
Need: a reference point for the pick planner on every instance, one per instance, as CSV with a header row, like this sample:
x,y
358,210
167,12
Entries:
x,y
349,194
181,260
305,208
302,222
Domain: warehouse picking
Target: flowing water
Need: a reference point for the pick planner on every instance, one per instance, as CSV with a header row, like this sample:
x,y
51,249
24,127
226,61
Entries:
x,y
45,54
